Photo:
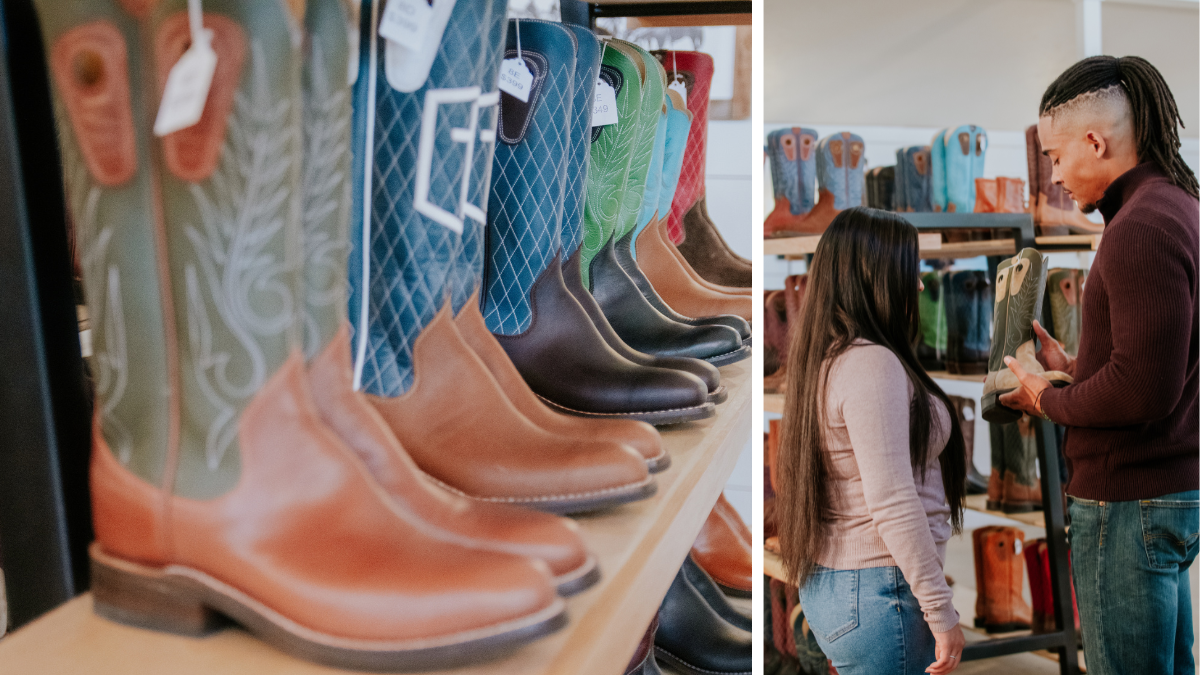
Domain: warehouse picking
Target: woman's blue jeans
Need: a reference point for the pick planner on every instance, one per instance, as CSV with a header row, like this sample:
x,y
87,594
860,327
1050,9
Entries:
x,y
1130,561
867,621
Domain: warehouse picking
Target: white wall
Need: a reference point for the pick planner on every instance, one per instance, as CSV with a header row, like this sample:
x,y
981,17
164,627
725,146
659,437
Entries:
x,y
936,63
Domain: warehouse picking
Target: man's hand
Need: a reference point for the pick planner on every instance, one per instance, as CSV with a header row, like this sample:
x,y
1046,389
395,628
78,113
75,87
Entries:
x,y
948,648
1051,355
1024,397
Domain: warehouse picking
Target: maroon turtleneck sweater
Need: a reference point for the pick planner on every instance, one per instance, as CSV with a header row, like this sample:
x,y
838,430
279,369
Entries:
x,y
1132,415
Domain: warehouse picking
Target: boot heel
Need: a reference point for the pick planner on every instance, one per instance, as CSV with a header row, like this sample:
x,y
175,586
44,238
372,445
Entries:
x,y
150,600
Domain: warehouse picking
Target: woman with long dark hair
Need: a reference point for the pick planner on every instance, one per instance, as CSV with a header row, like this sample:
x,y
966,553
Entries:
x,y
872,465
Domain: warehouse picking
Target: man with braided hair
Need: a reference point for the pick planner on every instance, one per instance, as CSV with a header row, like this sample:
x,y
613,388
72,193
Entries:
x,y
1109,125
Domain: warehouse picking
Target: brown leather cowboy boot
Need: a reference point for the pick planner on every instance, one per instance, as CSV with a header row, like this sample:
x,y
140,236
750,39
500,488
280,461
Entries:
x,y
216,488
723,549
1003,571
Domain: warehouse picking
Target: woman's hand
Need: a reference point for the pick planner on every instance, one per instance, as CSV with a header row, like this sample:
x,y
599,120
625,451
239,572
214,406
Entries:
x,y
948,651
1051,355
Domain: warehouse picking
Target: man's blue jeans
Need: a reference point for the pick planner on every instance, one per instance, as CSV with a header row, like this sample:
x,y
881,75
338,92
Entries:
x,y
1130,562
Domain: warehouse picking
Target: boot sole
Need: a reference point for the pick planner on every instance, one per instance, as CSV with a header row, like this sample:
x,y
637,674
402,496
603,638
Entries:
x,y
719,395
565,505
658,464
579,580
688,669
727,358
734,592
184,601
654,417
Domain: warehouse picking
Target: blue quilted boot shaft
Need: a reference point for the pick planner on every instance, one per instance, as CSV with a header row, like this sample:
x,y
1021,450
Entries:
x,y
840,164
529,175
587,66
966,150
914,163
417,127
654,176
937,171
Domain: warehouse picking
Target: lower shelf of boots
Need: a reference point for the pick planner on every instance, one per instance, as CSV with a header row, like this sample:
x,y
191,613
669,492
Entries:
x,y
640,547
979,503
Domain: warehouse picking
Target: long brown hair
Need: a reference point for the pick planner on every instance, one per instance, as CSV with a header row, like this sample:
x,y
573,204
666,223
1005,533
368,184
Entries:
x,y
862,285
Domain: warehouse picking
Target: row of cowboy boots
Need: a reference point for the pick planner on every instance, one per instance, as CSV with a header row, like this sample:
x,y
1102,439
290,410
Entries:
x,y
813,180
781,319
271,459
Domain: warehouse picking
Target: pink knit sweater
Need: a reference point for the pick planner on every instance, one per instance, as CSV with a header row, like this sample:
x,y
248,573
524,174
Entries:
x,y
882,512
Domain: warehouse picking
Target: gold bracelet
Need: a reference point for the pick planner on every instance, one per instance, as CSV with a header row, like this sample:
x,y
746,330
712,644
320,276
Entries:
x,y
1037,405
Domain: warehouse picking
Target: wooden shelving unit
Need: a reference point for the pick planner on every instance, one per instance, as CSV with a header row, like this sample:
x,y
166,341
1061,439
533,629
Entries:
x,y
979,503
1073,242
640,547
773,403
943,375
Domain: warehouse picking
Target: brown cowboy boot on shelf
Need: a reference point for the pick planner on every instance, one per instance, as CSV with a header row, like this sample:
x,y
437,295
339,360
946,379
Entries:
x,y
794,288
723,549
1000,574
1064,287
437,396
326,206
688,224
775,337
1054,212
216,488
1022,490
964,409
999,195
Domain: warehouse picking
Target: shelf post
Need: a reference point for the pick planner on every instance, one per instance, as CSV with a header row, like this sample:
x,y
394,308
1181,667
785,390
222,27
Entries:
x,y
1057,548
45,429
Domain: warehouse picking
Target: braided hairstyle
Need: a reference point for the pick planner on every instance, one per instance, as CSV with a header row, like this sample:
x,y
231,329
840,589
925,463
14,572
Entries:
x,y
1150,100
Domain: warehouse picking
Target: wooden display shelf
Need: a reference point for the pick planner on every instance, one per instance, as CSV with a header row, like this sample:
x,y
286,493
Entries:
x,y
930,243
773,565
943,375
1076,242
640,546
979,503
773,403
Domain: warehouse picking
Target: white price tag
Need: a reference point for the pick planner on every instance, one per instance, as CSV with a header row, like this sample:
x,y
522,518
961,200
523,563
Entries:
x,y
515,78
604,106
404,22
187,87
679,87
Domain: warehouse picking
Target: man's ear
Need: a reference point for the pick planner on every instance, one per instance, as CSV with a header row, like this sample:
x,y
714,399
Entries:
x,y
1098,144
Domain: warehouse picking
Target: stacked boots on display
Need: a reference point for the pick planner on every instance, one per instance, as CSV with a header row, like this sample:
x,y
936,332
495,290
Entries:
x,y
968,321
234,471
999,195
1014,486
687,226
792,299
619,163
411,358
700,632
1054,212
793,157
957,159
1037,562
964,408
913,179
1020,286
1064,287
931,348
722,549
527,305
999,578
840,183
881,188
